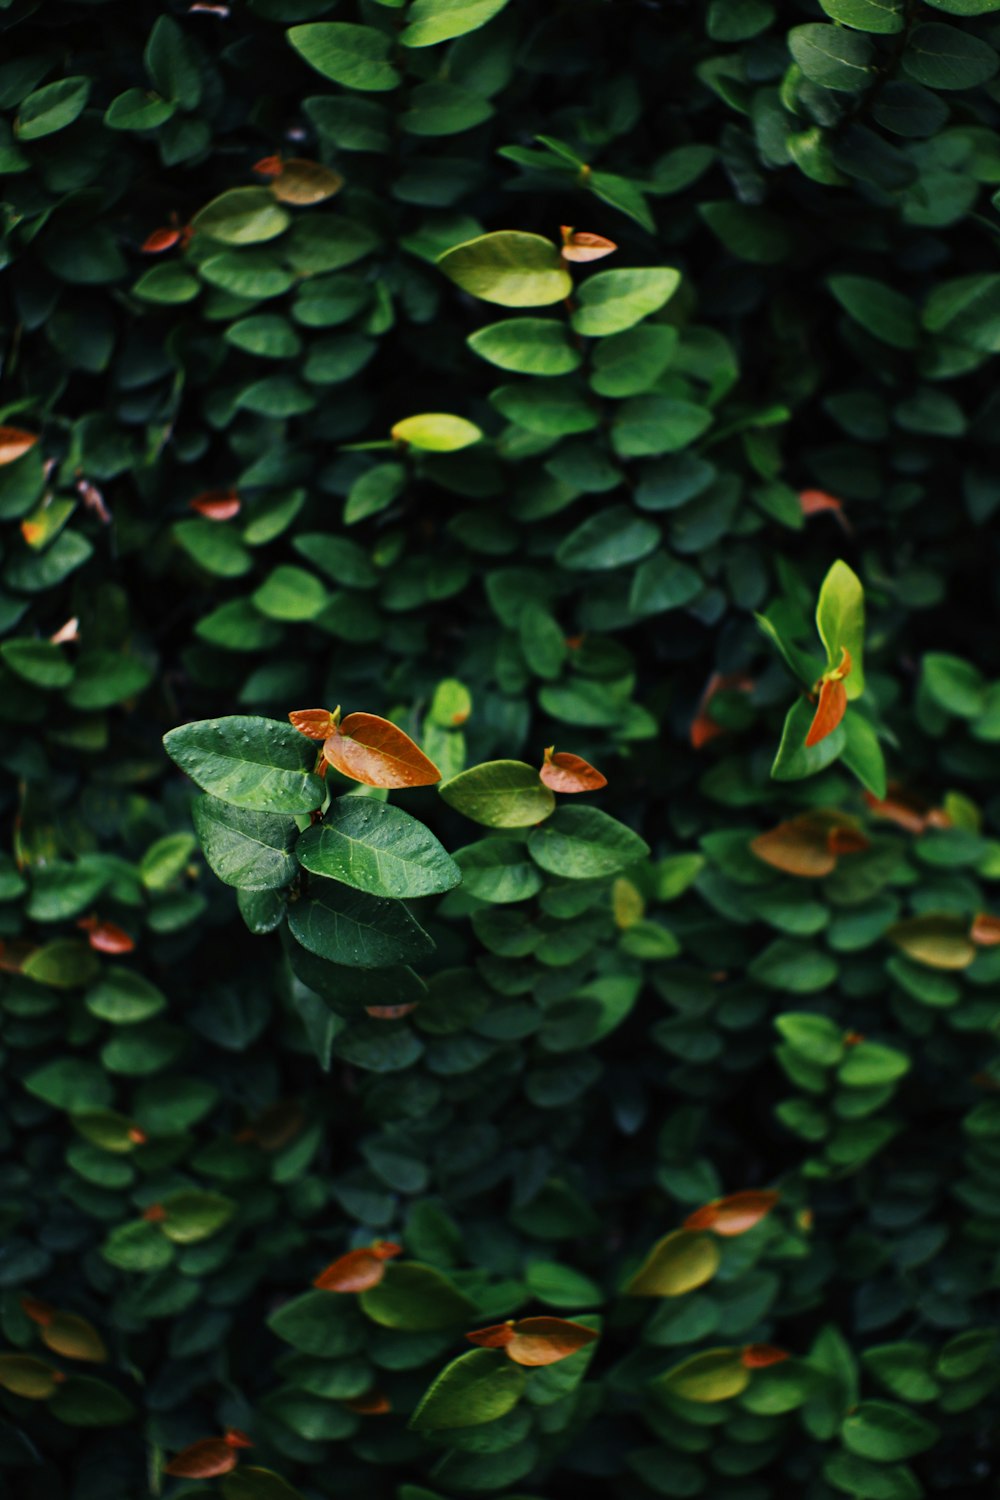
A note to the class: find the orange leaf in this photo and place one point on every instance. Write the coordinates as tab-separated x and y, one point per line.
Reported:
799	847
160	240
375	1404
563	772
314	723
496	1336
234	1438
759	1356
390	1012
846	840
735	1214
985	930
579	245
535	1341
154	1214
14	442
906	810
203	1460
269	166
373	751
217	505
106	937
358	1269
39	1312
304	182
813	502
830	710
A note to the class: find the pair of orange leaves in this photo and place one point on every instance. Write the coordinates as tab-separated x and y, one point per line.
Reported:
371	750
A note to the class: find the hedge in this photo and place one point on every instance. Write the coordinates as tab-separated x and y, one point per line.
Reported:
499	924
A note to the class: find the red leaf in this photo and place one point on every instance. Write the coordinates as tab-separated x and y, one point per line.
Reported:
374	1404
390	1012
154	1214
579	245
759	1356
106	937
358	1269
535	1341
815	501
373	751
160	240
734	1214
203	1460
237	1439
217	505
985	930
830	710
314	723
14	442
563	772
268	166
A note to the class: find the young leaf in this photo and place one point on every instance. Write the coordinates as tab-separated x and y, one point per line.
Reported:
830	711
314	723
373	751
379	849
735	1214
217	505
14	443
535	1341
568	773
358	1269
106	937
840	620
436	432
581	246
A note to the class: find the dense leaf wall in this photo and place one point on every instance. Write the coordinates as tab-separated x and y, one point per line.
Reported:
230	272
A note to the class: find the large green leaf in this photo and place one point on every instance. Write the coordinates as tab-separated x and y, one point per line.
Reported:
251	850
253	763
379	849
354	929
500	794
612	301
416	1299
581	843
509	267
478	1387
356	56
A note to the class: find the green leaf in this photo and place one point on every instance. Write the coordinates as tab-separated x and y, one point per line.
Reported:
290	594
879	308
884	17
82	1401
355	56
254	763
498	870
379	849
840	620
251	1483
192	1215
51	108
871	1481
966	7
242	216
165	861
611	538
793	761
416	1298
172	64
583	843
433	21
832	57
476	1388
862	754
956	686
529	346
869	1064
816	1037
354	929
629	363
169	284
716	1375
124	997
137	109
509	267
677	1264
70	1083
500	794
945	57
794	967
647	426
39	662
882	1431
612	301
247	849
436	432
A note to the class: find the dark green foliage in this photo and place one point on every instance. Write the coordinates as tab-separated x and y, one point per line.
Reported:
310	400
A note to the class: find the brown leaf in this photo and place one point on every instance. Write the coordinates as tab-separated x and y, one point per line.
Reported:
217	505
106	937
358	1269
374	1404
14	443
203	1460
565	773
373	751
303	182
937	939
314	723
734	1214
759	1356
907	810
985	930
830	710
535	1341
799	847
579	245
